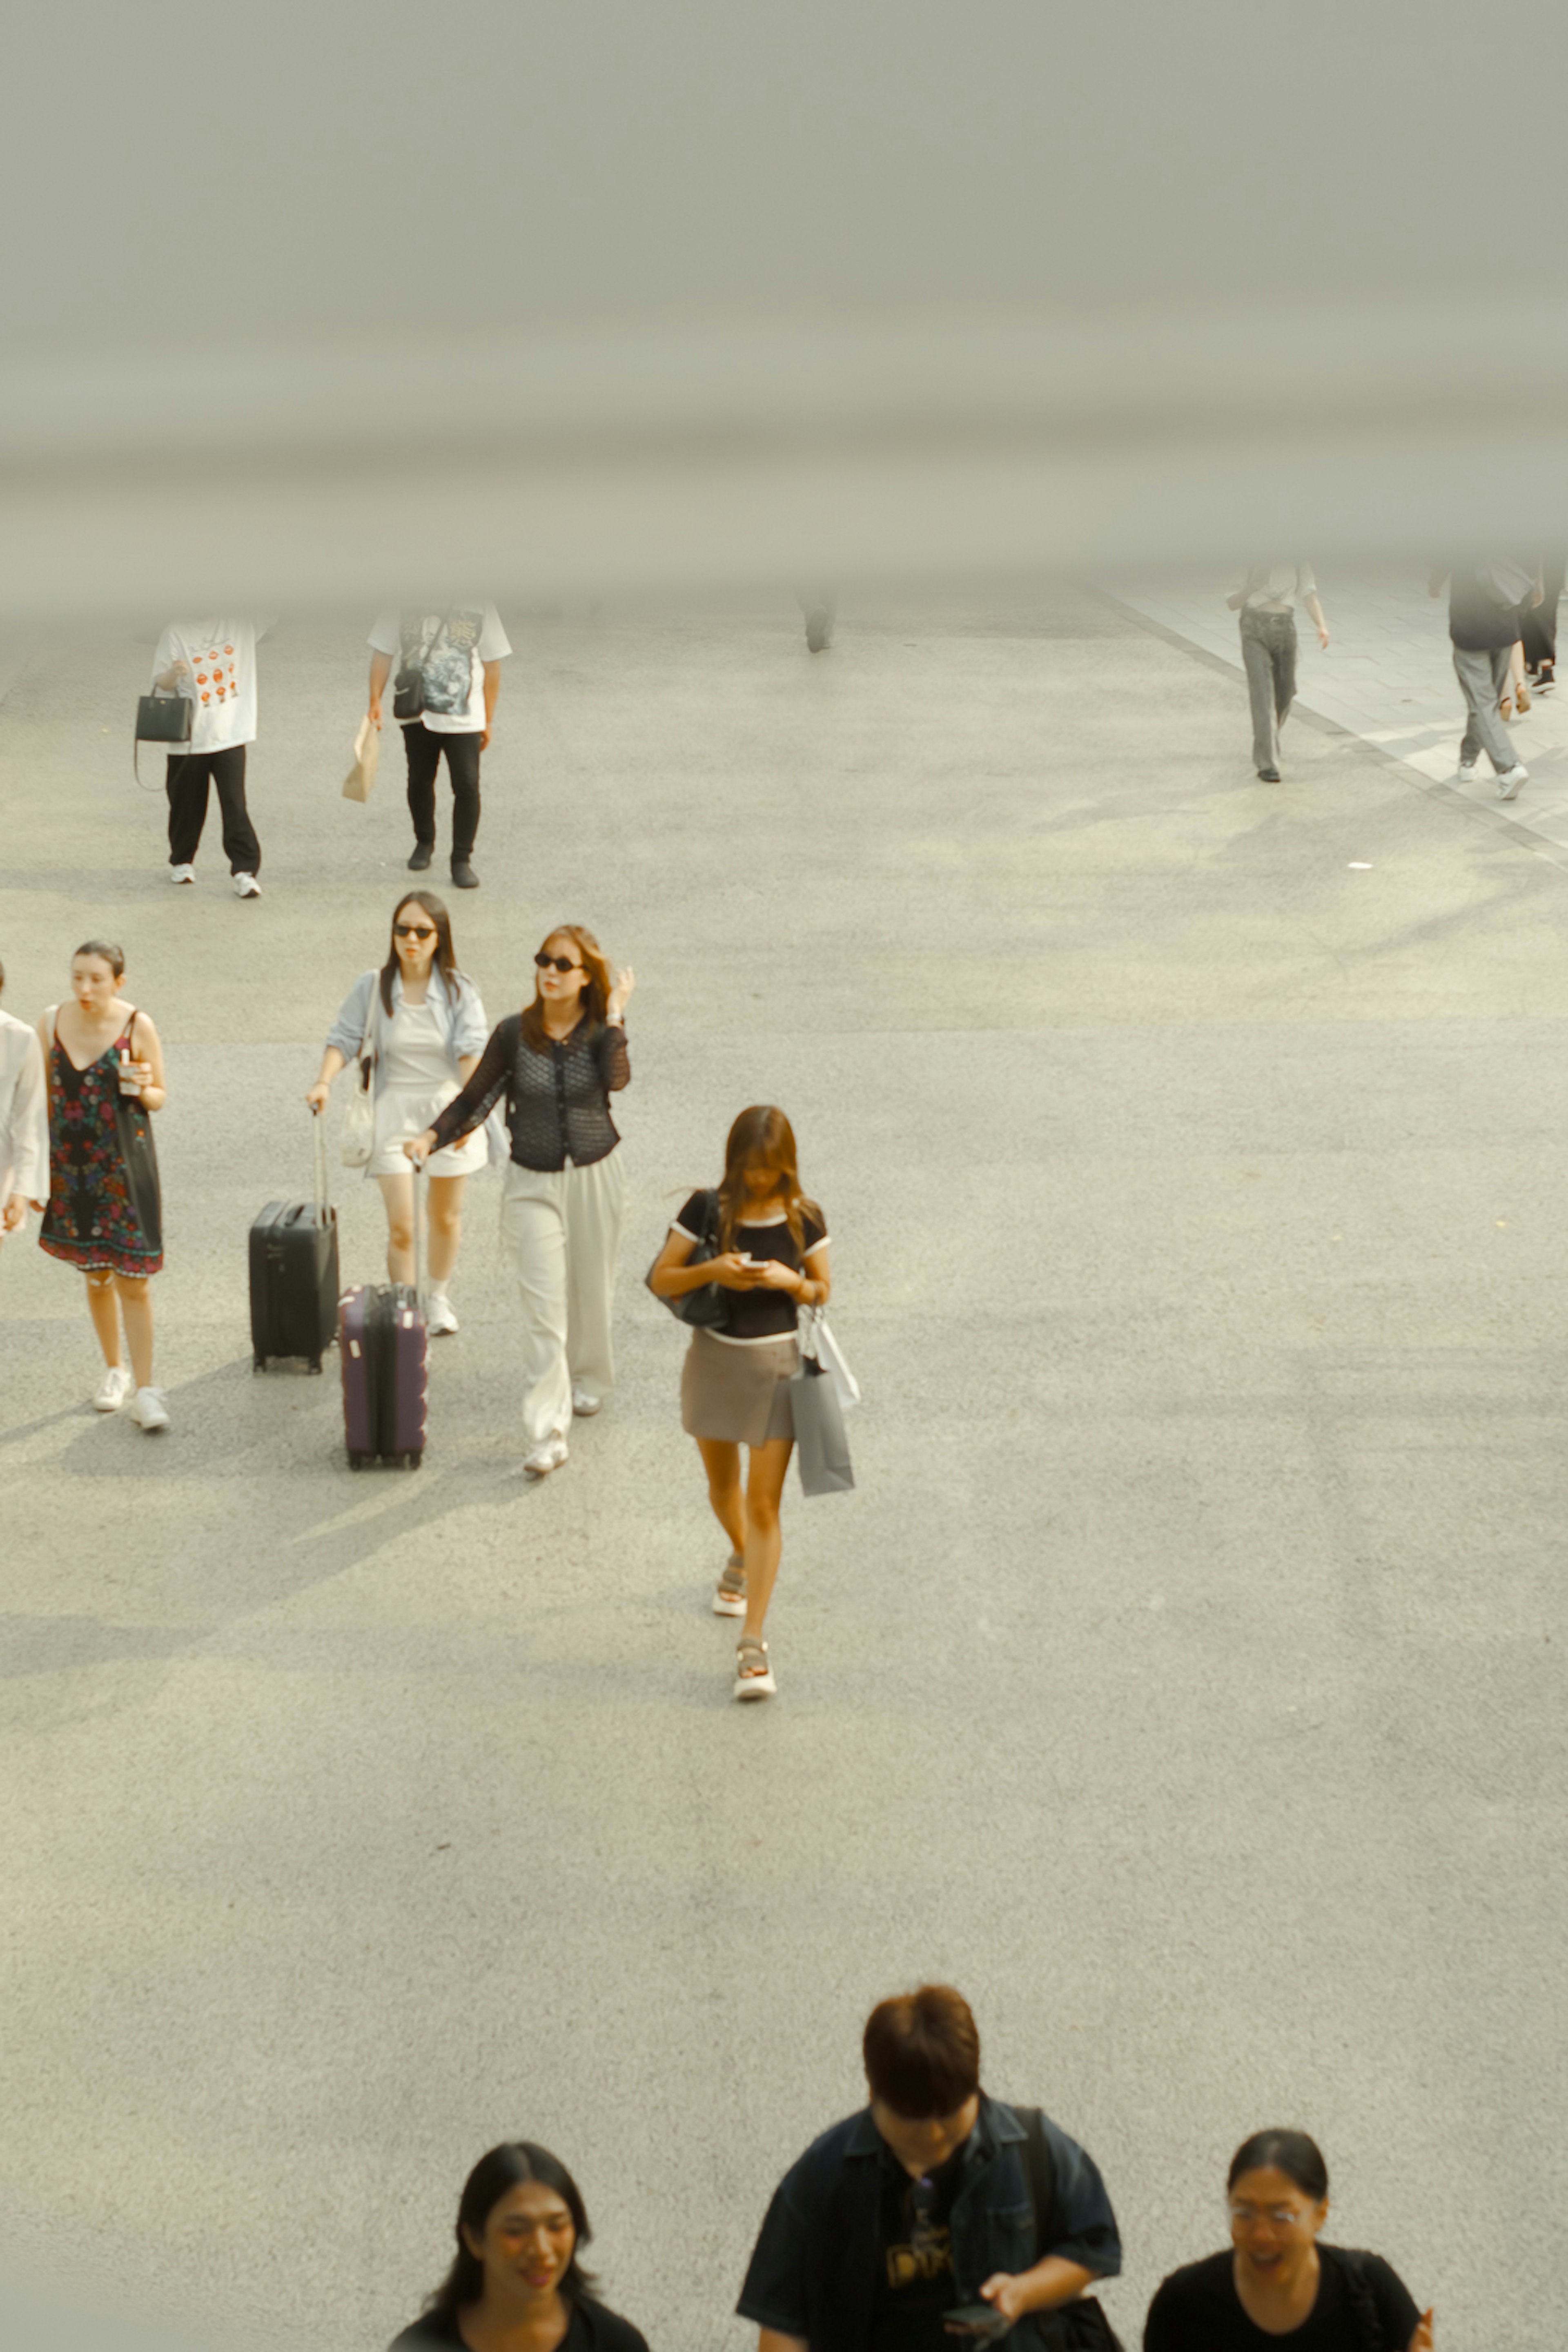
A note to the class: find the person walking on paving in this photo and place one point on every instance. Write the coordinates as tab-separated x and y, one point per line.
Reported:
421	1023
1266	601
518	2282
1278	2285
1539	629
768	1247
1485	602
24	1122
556	1065
105	1070
933	2214
443	699
212	663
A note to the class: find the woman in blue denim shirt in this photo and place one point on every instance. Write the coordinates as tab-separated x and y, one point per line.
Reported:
933	2199
426	1026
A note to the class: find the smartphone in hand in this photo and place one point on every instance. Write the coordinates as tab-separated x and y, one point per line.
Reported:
978	2319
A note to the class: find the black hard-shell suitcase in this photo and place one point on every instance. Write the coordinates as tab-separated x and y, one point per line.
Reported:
382	1343
294	1271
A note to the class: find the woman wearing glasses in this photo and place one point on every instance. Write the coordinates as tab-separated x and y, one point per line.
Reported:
556	1064
425	1027
1278	2286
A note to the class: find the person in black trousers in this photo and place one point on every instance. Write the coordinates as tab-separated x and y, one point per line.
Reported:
1538	629
212	663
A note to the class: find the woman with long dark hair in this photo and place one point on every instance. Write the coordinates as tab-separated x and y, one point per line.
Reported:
771	1259
556	1064
1280	2285
425	1023
105	1070
517	2285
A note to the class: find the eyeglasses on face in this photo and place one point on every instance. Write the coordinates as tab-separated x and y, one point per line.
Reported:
414	930
1284	2217
557	963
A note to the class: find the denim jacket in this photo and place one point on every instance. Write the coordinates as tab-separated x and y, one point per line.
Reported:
813	2273
462	1014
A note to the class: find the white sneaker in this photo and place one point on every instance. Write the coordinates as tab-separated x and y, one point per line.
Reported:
182	873
1508	783
547	1456
246	886
148	1409
438	1314
1465	772
112	1389
585	1403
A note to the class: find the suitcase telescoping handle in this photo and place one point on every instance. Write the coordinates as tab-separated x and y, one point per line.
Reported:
420	1180
319	1139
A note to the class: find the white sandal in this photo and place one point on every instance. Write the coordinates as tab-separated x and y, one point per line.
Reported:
754	1685
729	1596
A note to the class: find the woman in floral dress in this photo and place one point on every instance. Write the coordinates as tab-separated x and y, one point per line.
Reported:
104	1214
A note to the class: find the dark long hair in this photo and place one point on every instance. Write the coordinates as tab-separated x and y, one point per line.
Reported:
446	958
762	1133
504	2167
1290	2152
594	999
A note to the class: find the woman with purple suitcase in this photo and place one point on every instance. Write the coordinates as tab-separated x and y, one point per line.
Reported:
421	1023
556	1064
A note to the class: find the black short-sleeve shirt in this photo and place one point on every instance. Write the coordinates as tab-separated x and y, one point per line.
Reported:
592	2328
756	1314
1197	2309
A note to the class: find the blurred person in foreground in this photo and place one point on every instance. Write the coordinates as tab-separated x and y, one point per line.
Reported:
1278	2285
1485	602
516	2283
1265	600
1538	629
937	2215
24	1122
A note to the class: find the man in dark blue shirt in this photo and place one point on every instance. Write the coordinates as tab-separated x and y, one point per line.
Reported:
934	2197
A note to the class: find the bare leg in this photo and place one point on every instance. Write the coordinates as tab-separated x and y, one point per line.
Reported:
445	1198
764	1485
722	1463
104	1308
136	1304
397	1191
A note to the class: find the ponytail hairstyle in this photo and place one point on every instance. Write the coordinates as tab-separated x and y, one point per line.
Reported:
1289	2152
113	957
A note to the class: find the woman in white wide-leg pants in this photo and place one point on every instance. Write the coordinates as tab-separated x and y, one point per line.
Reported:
556	1064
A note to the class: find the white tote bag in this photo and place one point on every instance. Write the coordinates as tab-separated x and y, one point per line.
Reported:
358	1138
818	1342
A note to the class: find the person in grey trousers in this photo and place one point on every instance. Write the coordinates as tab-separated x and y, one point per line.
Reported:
1265	600
1485	602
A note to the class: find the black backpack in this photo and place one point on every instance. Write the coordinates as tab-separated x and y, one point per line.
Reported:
1080	2326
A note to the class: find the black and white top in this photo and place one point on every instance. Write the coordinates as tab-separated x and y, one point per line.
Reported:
557	1095
756	1316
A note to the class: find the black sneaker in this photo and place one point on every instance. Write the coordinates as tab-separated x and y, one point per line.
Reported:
423	852
463	874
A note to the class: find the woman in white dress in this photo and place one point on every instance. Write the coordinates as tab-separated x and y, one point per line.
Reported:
424	1025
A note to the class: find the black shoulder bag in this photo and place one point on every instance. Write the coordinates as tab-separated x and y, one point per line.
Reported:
1080	2326
408	685
133	1131
706	1309
160	719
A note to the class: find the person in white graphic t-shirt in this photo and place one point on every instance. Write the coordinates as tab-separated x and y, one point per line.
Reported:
212	663
443	699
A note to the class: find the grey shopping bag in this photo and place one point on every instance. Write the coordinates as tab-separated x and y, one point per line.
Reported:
821	1448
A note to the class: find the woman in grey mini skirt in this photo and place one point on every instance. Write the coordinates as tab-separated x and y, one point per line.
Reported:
770	1259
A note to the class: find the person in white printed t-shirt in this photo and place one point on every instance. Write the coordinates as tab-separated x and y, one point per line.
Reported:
212	663
451	662
24	1123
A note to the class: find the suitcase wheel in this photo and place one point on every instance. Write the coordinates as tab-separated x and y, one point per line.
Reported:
414	1459
356	1461
315	1363
259	1365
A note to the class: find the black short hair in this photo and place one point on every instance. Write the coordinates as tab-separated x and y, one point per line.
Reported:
1290	2152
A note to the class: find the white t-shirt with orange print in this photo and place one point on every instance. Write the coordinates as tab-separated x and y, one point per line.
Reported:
220	659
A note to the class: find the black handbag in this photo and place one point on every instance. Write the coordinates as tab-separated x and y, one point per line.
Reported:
408	685
706	1309
1081	2325
160	719
134	1130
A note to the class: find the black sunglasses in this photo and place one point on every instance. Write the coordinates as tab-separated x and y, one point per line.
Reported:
559	963
414	930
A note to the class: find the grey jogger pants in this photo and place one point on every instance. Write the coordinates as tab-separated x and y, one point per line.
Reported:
1269	656
1482	673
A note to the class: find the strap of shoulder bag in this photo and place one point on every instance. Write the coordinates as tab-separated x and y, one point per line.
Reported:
1042	2171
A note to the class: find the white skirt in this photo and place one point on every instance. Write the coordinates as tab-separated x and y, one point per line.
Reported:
404	1112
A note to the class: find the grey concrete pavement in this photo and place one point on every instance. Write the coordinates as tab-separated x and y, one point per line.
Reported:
1182	1679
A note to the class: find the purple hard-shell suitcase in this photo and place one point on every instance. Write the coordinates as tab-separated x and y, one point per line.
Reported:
294	1273
382	1341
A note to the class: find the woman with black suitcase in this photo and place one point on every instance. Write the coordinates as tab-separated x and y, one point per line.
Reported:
769	1247
105	1070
